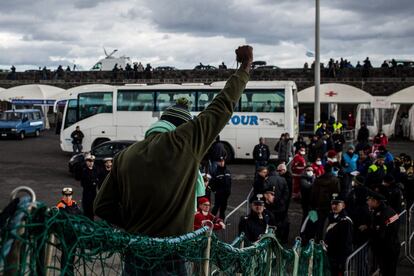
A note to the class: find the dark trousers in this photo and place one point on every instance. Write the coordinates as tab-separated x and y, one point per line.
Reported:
87	204
220	204
388	261
346	184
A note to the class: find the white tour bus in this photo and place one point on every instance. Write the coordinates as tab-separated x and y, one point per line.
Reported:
266	109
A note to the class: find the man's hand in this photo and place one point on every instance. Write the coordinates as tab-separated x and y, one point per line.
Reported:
244	55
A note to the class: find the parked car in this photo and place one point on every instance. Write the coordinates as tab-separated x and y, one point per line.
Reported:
401	63
101	151
266	68
258	63
21	122
165	68
205	67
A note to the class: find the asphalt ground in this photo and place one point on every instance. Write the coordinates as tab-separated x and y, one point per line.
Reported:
40	164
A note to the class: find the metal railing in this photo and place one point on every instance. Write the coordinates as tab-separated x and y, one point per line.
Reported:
232	224
410	235
362	262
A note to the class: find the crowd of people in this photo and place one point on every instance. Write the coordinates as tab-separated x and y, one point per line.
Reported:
357	190
349	194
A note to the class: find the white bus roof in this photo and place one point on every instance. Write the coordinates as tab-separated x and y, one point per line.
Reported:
259	84
73	92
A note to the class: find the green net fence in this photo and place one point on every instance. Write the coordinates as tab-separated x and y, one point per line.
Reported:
36	240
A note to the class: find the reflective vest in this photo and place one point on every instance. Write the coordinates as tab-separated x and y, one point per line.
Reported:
318	126
373	168
337	125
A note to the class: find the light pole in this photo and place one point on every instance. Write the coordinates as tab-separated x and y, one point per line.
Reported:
317	68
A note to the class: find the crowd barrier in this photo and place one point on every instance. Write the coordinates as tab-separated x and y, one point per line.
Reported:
37	240
361	262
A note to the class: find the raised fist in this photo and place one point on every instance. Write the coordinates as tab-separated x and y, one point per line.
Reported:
244	54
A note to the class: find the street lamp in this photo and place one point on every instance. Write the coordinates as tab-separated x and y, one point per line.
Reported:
317	106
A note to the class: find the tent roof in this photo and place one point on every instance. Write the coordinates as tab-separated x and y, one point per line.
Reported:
31	91
405	96
335	93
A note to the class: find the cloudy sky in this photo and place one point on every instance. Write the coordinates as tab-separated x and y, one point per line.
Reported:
183	33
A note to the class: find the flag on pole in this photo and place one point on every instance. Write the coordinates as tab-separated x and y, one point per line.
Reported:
310	53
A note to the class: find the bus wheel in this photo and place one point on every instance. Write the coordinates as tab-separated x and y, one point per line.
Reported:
229	151
98	142
21	135
37	133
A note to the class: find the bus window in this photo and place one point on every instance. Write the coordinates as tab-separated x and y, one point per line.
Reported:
260	101
94	103
130	100
204	99
71	112
166	99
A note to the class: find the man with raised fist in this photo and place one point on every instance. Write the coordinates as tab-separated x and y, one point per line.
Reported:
157	177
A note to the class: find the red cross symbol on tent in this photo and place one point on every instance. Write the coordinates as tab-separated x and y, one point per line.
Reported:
331	93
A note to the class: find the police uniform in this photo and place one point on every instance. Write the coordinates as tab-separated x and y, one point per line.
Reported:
253	226
393	193
89	182
384	236
338	238
221	185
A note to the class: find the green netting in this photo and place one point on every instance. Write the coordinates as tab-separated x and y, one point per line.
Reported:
41	241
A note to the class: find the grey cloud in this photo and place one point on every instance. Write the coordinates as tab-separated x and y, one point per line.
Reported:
79	28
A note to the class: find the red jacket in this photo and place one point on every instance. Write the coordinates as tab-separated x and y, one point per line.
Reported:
199	217
298	164
380	141
318	170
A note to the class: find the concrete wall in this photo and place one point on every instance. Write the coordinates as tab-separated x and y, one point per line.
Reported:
376	81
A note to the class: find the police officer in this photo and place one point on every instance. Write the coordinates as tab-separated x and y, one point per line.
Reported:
261	153
384	234
105	170
357	209
278	185
67	204
338	235
272	205
221	185
89	181
258	221
393	193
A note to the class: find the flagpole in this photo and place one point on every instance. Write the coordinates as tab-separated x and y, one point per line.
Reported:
317	106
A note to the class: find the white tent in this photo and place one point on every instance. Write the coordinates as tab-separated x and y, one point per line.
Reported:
405	96
32	94
336	93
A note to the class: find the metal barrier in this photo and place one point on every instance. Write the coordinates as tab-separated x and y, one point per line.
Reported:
361	261
403	232
358	263
349	135
410	235
232	224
